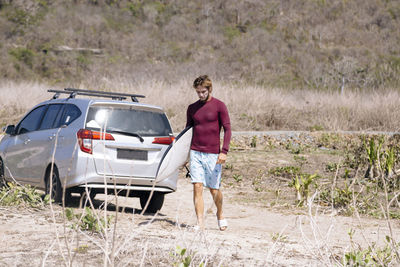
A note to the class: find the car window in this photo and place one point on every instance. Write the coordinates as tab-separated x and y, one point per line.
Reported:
50	116
31	121
71	113
143	122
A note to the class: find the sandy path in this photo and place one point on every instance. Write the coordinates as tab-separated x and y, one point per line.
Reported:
251	236
28	237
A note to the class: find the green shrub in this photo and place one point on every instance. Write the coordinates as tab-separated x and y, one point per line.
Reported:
136	9
231	32
339	198
302	184
183	257
18	16
287	171
24	55
17	195
331	167
237	177
88	221
253	142
372	256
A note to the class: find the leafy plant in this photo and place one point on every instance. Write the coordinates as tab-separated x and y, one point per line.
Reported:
346	173
373	150
371	256
381	163
88	221
24	55
19	16
316	127
287	171
388	162
331	167
301	184
389	159
17	195
300	159
231	33
228	166
253	142
339	198
277	237
294	148
329	140
258	180
183	257
237	177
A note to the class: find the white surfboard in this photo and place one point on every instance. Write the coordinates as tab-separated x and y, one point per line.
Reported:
176	156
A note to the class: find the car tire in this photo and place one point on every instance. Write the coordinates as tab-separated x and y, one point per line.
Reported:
2	180
57	190
92	195
155	204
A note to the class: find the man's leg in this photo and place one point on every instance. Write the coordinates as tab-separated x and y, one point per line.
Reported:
199	203
217	196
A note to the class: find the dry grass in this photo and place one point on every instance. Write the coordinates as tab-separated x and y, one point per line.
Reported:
251	108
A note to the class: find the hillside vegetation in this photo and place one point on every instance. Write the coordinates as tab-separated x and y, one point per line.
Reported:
286	44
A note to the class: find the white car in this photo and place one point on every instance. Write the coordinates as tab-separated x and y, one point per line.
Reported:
101	144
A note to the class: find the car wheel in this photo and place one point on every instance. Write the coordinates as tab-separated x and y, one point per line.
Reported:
56	188
2	180
155	204
92	195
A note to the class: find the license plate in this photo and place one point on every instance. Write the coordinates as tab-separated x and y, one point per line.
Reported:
131	154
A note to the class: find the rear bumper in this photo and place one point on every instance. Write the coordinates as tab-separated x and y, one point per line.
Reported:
133	188
83	174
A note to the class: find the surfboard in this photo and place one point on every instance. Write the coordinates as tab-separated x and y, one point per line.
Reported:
176	155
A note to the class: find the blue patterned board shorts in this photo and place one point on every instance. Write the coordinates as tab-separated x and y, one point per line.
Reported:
204	169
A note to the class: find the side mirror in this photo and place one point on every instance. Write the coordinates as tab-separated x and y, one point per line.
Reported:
10	129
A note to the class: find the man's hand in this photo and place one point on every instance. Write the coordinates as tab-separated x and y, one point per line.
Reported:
221	158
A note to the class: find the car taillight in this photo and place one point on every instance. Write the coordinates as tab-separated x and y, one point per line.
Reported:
102	136
163	140
85	138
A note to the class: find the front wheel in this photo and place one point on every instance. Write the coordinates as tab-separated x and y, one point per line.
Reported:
2	179
155	204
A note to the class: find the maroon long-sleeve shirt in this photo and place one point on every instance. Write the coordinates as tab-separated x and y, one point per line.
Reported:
207	119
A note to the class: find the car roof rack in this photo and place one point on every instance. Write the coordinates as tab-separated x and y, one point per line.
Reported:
115	96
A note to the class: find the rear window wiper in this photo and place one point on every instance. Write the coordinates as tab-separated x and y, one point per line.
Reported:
129	134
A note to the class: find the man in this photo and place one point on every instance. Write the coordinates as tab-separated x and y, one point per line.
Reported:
207	116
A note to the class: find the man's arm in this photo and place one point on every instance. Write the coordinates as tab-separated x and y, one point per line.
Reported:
189	119
226	124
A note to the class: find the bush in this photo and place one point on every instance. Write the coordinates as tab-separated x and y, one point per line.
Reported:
17	195
88	220
24	55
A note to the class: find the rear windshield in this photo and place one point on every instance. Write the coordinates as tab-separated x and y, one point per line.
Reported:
129	120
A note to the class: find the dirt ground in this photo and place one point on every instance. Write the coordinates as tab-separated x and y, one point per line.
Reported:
29	238
259	234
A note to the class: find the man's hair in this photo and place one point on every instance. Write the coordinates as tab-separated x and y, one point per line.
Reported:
204	81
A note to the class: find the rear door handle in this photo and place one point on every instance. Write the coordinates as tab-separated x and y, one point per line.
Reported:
27	141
